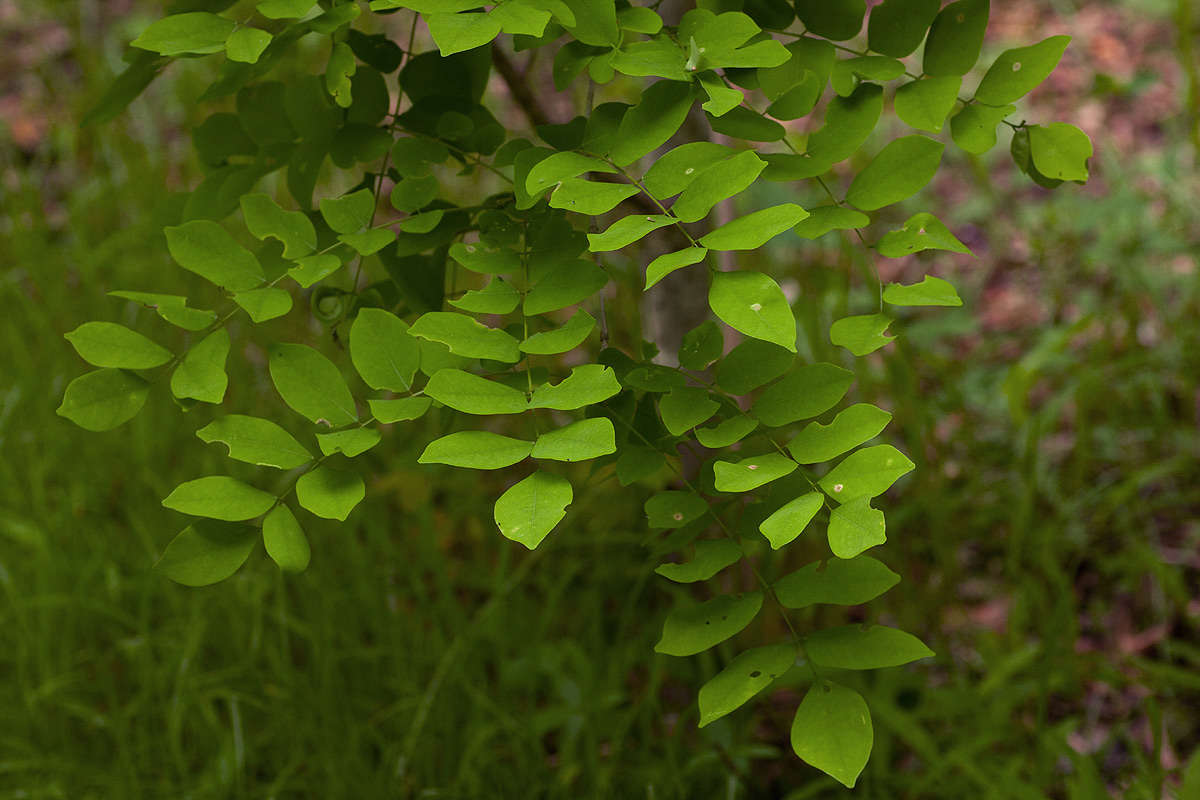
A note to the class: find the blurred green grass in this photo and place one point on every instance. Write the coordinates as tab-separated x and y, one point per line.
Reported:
1052	523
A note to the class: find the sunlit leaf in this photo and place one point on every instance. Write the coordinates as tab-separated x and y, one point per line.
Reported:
695	628
530	509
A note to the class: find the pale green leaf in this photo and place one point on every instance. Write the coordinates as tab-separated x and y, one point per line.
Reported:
256	441
476	450
311	385
400	409
520	19
330	493
172	308
674	509
219	497
285	9
832	731
859	423
207	249
676	169
579	441
351	442
560	340
590	197
695	628
956	37
1060	151
931	291
455	33
196	33
859	647
752	472
658	57
206	552
472	394
560	167
900	170
478	258
837	581
585	386
1017	72
753	304
745	676
103	399
974	127
791	519
926	103
265	219
726	433
711	556
657	116
466	336
807	392
311	269
370	241
824	219
284	540
246	44
922	231
530	509
106	344
866	473
201	375
861	335
686	407
720	181
626	231
498	297
855	527
570	283
383	352
755	229
264	304
348	213
848	72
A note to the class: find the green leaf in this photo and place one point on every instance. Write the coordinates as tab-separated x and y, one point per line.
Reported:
383	352
370	241
640	19
585	386
752	472
485	261
561	166
686	407
560	340
974	127
455	33
498	297
476	450
106	344
626	231
466	336
837	581
925	104
721	98
311	269
246	44
755	229
264	304
832	731
197	32
349	213
330	493
219	497
711	556
285	9
824	219
693	629
595	22
284	540
848	71
1060	151
896	27
654	378
862	334
866	473
399	409
1017	72
956	37
838	20
590	197
858	647
855	527
720	181
676	169
351	442
172	308
811	63
472	394
701	346
727	432
311	385
530	509
931	291
201	375
103	399
922	231
518	18
207	249
206	552
859	423
900	170
674	509
753	304
570	283
655	119
266	220
745	676
579	441
848	123
753	363
809	391
789	521
256	441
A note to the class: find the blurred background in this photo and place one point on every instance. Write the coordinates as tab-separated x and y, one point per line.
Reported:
1049	540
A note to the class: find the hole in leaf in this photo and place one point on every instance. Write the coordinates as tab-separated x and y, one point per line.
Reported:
752	466
755	674
677	516
837	487
1016	66
756	306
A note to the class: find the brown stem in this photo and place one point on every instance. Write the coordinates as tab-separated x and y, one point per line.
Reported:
519	88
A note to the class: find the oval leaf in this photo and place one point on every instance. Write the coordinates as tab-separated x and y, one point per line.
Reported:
530	509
